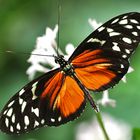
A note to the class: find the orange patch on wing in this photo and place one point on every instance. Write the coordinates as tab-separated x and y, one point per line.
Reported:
89	58
96	76
86	56
52	87
90	62
70	97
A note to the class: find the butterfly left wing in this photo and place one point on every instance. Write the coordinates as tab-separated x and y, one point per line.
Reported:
21	113
101	60
51	99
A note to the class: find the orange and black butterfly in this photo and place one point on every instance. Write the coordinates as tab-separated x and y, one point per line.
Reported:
60	95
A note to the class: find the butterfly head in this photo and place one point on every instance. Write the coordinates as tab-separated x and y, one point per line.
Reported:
61	61
65	65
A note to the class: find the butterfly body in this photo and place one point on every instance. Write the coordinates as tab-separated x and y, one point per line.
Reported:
59	96
65	66
68	69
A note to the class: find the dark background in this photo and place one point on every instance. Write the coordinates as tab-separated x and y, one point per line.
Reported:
22	21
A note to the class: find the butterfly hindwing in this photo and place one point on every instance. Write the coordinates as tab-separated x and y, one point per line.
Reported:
66	105
101	60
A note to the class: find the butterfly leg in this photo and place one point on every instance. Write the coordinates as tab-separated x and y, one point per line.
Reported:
87	93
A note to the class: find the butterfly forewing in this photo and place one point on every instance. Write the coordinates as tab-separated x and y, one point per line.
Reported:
121	34
50	100
22	112
101	60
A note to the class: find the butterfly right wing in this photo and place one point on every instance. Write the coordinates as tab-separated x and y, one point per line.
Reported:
102	59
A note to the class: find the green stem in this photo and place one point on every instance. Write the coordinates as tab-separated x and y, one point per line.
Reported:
100	121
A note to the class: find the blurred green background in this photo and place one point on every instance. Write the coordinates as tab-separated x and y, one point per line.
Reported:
21	22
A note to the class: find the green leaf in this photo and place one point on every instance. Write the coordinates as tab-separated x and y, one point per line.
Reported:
136	134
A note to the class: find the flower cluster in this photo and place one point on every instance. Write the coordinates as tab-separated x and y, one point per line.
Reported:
116	129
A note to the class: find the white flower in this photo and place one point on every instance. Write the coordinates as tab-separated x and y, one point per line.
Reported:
94	24
130	69
46	45
106	101
116	129
69	50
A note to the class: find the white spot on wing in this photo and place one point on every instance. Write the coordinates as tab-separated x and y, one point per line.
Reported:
59	118
21	92
109	30
13	118
125	17
96	40
115	47
133	21
135	33
23	106
36	124
26	120
93	40
10	111
124	56
52	120
122	66
138	27
114	21
33	90
114	33
103	42
128	26
36	111
127	51
11	129
101	28
7	122
127	40
10	103
18	126
5	112
42	121
124	21
20	101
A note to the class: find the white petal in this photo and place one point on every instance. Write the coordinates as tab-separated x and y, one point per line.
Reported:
124	79
130	69
69	49
45	45
106	101
94	24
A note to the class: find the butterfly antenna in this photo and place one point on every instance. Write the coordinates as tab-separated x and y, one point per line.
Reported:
11	52
58	35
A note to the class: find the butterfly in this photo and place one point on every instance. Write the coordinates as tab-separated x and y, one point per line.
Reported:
60	95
